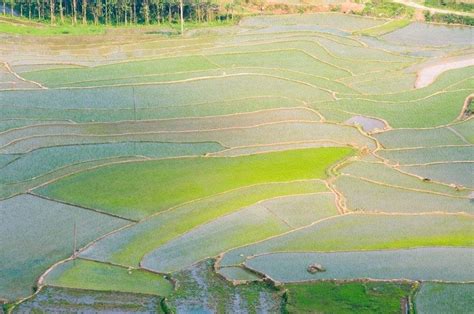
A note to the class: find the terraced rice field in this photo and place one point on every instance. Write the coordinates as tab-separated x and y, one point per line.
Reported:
208	172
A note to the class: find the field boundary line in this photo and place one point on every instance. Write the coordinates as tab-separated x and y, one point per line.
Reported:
203	78
461	214
10	70
207	257
393	102
268	96
467	103
137	158
95	136
149	121
426	147
222	254
216	154
458	135
398	187
197	226
80	207
68	85
432	163
307	40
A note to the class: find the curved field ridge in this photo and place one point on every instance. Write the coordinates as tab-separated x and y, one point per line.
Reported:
352	232
136	190
362	195
89	275
46	160
429	72
128	246
257	222
445	264
36	233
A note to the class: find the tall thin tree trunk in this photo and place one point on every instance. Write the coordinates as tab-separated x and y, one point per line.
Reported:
11	7
38	8
169	13
61	11
146	12
74	12
29	9
52	15
106	12
181	13
84	12
134	11
4	8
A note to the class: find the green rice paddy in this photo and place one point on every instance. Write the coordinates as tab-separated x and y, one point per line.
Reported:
145	172
136	190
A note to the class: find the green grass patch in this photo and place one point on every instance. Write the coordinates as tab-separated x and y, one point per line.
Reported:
352	297
140	189
90	275
21	26
451	5
201	290
384	28
386	8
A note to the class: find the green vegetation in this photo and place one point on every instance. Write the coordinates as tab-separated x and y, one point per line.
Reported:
334	297
385	28
202	290
449	18
89	275
18	26
46	160
159	67
444	298
56	299
374	232
385	8
249	225
374	197
223	143
136	190
451	4
130	245
421	264
36	233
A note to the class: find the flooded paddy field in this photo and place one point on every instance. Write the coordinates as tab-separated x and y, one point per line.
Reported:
207	173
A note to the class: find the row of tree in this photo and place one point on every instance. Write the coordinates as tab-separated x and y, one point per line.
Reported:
118	11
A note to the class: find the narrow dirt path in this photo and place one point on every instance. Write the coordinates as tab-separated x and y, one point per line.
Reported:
432	10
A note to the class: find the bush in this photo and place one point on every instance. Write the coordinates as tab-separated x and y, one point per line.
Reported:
383	8
448	18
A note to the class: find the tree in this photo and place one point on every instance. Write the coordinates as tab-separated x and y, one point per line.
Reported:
84	12
74	12
61	11
146	12
181	17
51	10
